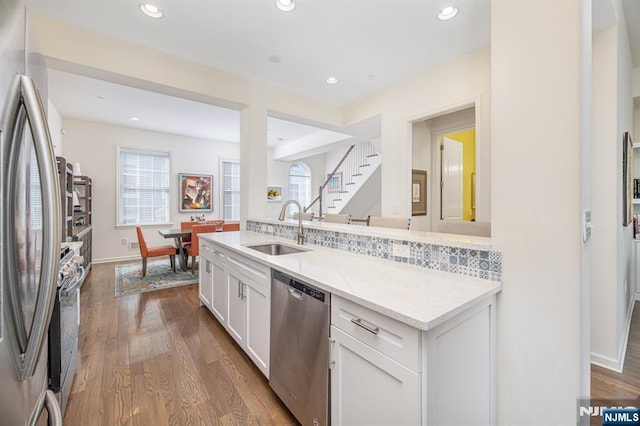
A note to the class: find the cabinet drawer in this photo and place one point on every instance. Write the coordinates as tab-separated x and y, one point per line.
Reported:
251	269
205	250
217	253
395	339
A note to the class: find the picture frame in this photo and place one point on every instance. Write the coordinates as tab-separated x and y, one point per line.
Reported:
627	179
418	192
195	192
335	182
274	193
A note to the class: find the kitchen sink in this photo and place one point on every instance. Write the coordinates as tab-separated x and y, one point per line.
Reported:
276	249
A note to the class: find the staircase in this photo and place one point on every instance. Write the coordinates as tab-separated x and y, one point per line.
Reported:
351	172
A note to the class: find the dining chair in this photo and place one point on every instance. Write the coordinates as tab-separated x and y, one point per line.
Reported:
389	222
337	218
186	226
147	252
230	227
193	250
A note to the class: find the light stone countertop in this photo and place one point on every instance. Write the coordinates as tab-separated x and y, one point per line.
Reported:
419	297
465	241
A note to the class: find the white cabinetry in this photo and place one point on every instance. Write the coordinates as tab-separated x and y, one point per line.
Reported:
219	295
386	372
370	388
205	274
249	308
238	291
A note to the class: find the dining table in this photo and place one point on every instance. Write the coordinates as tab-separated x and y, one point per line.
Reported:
178	234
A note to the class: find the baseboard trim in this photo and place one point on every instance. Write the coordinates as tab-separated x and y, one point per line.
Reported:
616	365
116	259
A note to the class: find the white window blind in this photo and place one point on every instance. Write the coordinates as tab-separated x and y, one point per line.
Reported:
231	190
299	185
144	187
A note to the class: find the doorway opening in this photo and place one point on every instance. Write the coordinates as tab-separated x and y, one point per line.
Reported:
445	146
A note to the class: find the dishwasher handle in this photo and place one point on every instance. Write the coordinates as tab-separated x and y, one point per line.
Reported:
299	287
295	293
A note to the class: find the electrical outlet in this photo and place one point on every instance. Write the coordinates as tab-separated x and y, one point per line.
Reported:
400	250
133	246
125	241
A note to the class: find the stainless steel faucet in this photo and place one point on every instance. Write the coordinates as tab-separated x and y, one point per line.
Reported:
283	212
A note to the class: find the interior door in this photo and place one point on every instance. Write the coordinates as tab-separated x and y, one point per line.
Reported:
451	179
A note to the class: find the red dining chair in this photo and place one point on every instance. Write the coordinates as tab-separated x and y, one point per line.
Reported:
194	249
186	226
230	227
147	252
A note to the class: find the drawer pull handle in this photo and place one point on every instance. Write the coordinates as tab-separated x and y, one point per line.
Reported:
359	323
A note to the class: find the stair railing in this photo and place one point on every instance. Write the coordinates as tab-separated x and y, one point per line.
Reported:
337	182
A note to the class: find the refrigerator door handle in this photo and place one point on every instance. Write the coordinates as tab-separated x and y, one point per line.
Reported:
49	401
22	100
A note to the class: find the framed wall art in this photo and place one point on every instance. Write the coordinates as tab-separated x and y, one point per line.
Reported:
195	192
335	182
274	193
418	192
627	179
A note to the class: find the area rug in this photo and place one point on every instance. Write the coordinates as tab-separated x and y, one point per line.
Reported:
129	279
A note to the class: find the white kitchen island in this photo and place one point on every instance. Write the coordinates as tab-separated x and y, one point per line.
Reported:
431	359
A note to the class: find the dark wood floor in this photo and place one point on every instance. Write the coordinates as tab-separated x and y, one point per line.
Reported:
607	384
158	358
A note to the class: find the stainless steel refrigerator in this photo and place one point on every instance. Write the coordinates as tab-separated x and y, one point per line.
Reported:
30	230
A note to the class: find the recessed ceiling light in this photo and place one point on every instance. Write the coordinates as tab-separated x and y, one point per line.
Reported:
100	97
150	10
371	77
286	5
331	80
447	13
134	118
275	59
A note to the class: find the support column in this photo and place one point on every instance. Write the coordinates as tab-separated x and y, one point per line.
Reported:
253	162
536	184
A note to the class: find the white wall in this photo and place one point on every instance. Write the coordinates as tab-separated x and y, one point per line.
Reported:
612	288
455	84
93	145
278	174
422	149
536	68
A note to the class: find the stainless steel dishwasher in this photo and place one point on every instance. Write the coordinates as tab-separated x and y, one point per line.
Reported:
299	372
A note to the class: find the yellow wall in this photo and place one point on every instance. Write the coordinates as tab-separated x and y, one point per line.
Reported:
468	140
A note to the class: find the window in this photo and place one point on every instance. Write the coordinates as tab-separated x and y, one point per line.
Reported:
143	187
230	190
299	185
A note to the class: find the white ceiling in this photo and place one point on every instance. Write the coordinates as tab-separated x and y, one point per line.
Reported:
368	44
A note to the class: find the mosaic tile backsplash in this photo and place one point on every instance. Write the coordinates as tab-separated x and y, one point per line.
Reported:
483	264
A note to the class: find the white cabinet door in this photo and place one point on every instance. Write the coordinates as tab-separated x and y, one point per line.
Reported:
258	300
370	388
205	281
236	307
219	293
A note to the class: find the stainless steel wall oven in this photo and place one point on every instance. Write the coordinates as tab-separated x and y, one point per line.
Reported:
63	330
